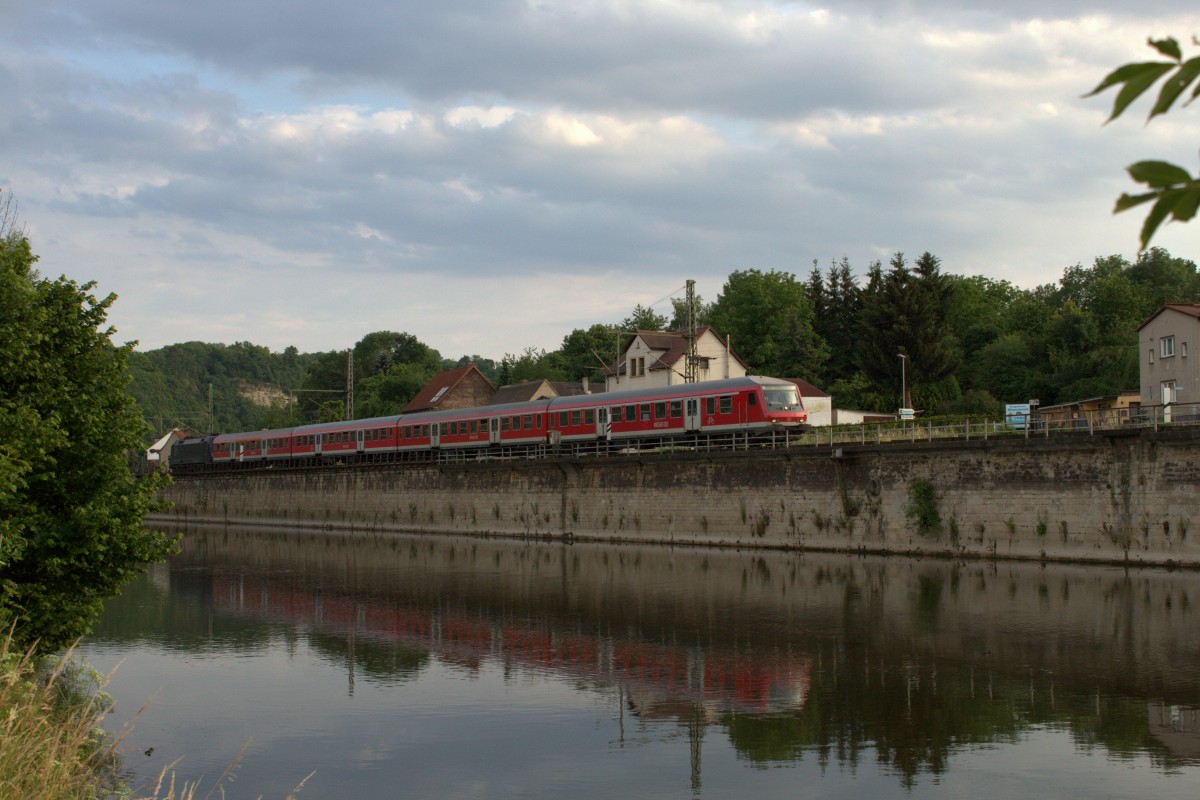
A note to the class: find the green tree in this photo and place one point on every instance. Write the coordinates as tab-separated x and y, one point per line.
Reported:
388	392
644	319
71	511
588	352
837	301
769	321
487	366
1175	193
323	392
532	364
679	313
904	312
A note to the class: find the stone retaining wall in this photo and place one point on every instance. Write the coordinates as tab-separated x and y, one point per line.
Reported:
1124	496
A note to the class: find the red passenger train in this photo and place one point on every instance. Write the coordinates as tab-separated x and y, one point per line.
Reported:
737	407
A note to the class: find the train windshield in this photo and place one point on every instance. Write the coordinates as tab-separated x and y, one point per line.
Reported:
782	398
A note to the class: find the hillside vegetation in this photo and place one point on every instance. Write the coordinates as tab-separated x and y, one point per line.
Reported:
971	344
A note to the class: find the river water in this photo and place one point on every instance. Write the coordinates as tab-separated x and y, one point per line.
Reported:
442	667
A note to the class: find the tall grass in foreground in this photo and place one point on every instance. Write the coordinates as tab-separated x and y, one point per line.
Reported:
52	745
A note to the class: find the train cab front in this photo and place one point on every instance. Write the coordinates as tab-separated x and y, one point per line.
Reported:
784	406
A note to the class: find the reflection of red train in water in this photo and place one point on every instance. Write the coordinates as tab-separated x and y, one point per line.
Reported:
728	681
737	409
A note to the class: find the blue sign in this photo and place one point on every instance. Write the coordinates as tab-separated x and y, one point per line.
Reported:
1016	415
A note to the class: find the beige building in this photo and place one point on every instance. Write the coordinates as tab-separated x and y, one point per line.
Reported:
1169	375
1108	411
653	359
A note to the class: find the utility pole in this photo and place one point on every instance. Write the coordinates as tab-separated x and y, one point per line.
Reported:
212	427
691	360
350	384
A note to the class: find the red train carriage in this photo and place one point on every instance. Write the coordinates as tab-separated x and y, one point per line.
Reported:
737	404
747	405
508	424
346	439
252	447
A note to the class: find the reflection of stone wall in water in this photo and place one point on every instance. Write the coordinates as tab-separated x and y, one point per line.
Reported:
789	653
1100	625
1108	497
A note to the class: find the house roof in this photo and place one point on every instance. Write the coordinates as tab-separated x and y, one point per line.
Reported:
439	386
1123	393
529	390
674	343
1191	309
806	388
518	392
568	388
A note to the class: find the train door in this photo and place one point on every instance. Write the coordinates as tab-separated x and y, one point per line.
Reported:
691	414
317	438
359	440
603	425
435	437
493	430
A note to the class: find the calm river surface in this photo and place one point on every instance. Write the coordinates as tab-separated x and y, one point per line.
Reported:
438	667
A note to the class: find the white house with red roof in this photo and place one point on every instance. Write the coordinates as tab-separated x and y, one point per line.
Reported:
652	359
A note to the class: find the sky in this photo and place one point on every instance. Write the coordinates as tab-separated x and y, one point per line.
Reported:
490	175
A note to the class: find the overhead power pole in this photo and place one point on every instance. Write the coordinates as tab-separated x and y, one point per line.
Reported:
350	384
691	360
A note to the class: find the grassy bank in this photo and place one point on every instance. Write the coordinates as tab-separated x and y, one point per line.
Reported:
51	742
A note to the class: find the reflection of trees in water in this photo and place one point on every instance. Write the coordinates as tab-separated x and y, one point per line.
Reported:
383	662
910	661
913	717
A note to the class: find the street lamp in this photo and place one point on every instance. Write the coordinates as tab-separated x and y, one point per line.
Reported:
903	382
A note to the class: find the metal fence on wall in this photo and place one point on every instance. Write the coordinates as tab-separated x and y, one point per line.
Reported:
1085	422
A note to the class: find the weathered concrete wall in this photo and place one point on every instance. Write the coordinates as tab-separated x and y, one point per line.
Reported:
1125	496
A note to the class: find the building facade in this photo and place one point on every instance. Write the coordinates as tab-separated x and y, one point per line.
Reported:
465	387
653	359
1168	370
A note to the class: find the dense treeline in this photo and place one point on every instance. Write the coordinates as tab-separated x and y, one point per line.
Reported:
970	344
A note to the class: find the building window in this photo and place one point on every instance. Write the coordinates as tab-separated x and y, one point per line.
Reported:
1150	353
1183	349
1166	346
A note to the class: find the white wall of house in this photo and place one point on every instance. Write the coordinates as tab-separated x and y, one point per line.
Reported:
820	410
641	361
721	364
851	416
1169	371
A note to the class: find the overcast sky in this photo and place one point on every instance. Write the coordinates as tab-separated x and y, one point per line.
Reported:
489	175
